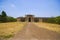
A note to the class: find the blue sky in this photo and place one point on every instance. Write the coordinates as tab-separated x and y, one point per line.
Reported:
40	8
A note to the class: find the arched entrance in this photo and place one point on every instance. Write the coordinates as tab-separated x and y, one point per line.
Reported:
29	20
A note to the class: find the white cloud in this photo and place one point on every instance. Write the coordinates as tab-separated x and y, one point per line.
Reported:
13	5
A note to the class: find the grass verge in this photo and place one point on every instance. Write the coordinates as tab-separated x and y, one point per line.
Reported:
49	26
8	30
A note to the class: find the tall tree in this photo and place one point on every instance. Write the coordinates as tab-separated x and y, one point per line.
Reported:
4	16
0	18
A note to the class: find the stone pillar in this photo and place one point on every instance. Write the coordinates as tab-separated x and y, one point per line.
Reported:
26	19
32	19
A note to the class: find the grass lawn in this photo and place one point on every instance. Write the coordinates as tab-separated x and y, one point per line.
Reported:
7	30
49	26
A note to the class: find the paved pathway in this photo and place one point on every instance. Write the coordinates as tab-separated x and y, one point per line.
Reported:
32	32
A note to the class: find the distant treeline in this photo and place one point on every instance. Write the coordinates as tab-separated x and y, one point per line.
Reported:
54	20
5	18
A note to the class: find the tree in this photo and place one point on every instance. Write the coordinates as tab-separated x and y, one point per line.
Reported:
54	20
11	19
0	18
57	19
3	16
51	20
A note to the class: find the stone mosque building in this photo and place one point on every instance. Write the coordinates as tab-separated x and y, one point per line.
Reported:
31	18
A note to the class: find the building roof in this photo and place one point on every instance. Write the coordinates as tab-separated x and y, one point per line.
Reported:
29	15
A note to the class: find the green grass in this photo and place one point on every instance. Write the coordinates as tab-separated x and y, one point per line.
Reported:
8	30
